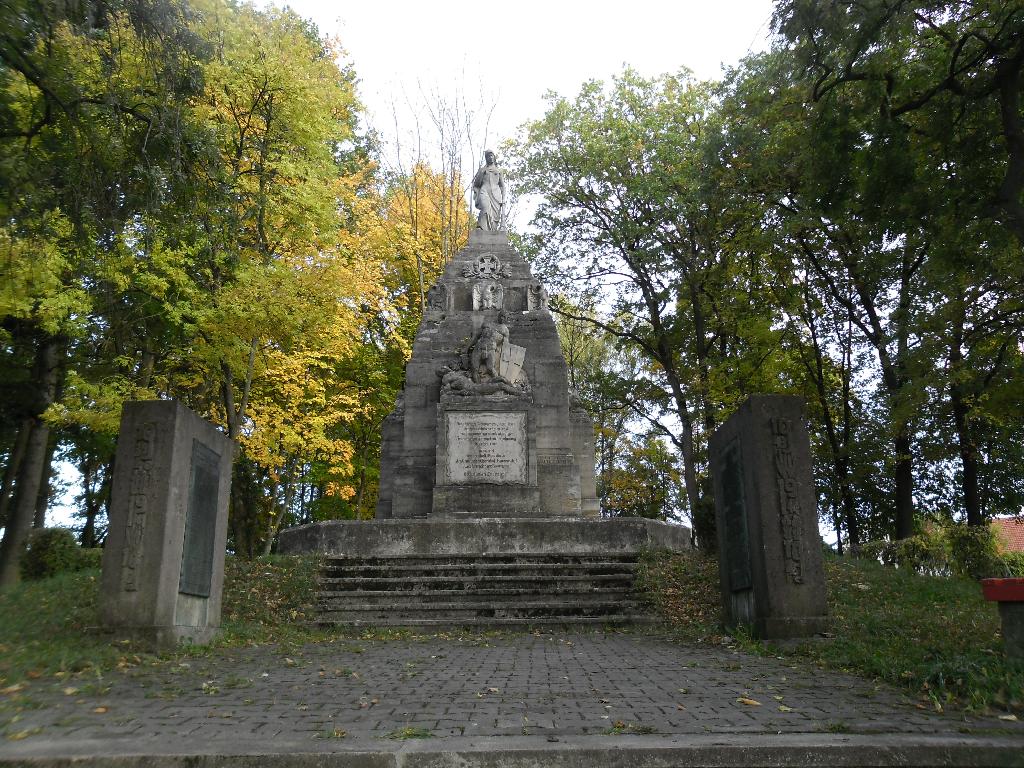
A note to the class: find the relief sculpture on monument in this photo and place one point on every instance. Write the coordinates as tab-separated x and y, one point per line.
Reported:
495	365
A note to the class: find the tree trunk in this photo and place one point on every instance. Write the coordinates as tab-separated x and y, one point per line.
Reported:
904	484
12	469
45	485
20	519
960	407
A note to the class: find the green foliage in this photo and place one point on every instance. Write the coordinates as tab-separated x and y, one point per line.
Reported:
645	482
635	210
684	588
50	551
934	635
268	598
973	550
924	553
410	732
49	635
960	550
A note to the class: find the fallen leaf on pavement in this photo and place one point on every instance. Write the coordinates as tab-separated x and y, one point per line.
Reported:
784	708
101	710
748	701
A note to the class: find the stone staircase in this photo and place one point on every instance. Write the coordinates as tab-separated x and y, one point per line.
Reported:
489	590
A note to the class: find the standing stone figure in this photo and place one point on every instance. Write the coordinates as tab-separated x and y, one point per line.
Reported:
486	351
489	194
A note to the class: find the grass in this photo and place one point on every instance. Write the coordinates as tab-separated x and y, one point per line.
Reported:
620	728
49	629
410	732
935	636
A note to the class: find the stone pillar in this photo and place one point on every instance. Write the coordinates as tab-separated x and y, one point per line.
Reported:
583	448
770	559
163	563
392	431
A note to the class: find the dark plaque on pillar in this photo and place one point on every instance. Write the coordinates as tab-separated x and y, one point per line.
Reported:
734	529
200	523
772	576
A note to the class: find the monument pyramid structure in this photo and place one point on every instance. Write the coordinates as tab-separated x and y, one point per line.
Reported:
486	426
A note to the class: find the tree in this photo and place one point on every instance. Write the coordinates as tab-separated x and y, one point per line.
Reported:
867	134
90	141
646	483
633	208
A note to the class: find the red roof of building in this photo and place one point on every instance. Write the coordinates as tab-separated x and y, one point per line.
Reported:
1011	531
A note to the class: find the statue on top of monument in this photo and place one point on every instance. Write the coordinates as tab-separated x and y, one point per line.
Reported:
489	194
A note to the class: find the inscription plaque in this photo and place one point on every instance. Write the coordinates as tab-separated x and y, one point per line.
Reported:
486	447
737	540
200	522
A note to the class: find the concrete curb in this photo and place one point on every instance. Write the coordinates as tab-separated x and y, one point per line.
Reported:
719	751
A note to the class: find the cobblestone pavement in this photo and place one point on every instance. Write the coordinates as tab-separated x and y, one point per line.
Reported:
558	684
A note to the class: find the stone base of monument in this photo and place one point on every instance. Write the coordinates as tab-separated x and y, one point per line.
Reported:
387	538
489	572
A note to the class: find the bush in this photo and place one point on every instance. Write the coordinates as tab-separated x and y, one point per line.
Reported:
973	551
927	552
90	558
51	551
1012	564
949	549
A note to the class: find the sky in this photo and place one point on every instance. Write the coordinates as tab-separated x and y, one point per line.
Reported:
507	55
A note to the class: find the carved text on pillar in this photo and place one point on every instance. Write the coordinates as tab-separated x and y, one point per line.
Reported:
138	505
790	515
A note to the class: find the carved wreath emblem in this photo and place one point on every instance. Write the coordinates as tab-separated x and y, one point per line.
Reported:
488	265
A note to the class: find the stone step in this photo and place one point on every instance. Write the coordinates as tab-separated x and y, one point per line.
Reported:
428	583
512	589
509	558
402	601
509	590
381	571
373	614
638	619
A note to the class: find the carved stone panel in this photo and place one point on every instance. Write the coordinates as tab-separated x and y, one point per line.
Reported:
163	561
536	297
437	298
770	562
486	447
486	265
488	294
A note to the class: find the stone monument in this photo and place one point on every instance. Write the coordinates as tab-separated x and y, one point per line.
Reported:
487	451
163	563
486	427
770	559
